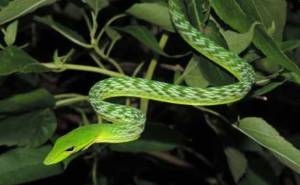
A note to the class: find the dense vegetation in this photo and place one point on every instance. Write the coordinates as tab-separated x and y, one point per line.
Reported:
53	51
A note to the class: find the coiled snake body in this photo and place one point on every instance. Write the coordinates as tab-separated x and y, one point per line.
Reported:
128	122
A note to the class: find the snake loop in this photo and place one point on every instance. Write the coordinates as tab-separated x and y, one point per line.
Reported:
128	122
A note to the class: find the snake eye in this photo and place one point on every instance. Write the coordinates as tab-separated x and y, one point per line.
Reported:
70	149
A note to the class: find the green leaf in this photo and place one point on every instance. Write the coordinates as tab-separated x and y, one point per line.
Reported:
292	77
143	182
264	134
238	42
232	14
156	13
193	74
97	5
112	34
60	60
198	12
33	100
31	79
156	137
212	32
267	66
17	8
267	88
4	3
31	129
26	164
10	33
143	35
237	163
200	72
154	1
63	30
15	60
290	45
271	13
252	178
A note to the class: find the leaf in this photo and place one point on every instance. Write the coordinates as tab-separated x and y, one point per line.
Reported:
156	13
238	42
97	5
237	163
143	182
271	13
156	137
63	30
198	12
31	129
252	178
24	165
33	100
267	88
13	60
267	66
154	1
193	74
60	60
112	34
232	14
264	134
212	32
265	166
143	35
290	45
201	72
17	8
10	33
3	3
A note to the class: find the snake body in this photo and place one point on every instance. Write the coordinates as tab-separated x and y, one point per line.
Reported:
129	122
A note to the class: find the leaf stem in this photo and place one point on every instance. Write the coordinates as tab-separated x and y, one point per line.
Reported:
162	43
77	67
70	101
97	61
67	95
94	170
107	24
94	28
110	60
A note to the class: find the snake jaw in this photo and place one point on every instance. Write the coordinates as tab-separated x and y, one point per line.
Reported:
77	140
53	158
59	153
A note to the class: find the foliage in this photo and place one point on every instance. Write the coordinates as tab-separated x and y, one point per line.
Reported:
51	56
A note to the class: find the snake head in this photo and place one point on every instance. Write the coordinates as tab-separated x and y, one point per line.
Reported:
76	140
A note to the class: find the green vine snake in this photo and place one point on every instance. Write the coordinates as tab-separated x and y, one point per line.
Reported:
128	122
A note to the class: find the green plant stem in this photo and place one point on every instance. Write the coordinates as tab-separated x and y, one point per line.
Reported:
97	61
170	158
138	69
67	95
210	111
110	60
95	44
162	43
69	101
94	28
199	156
111	46
82	68
94	170
87	20
107	24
